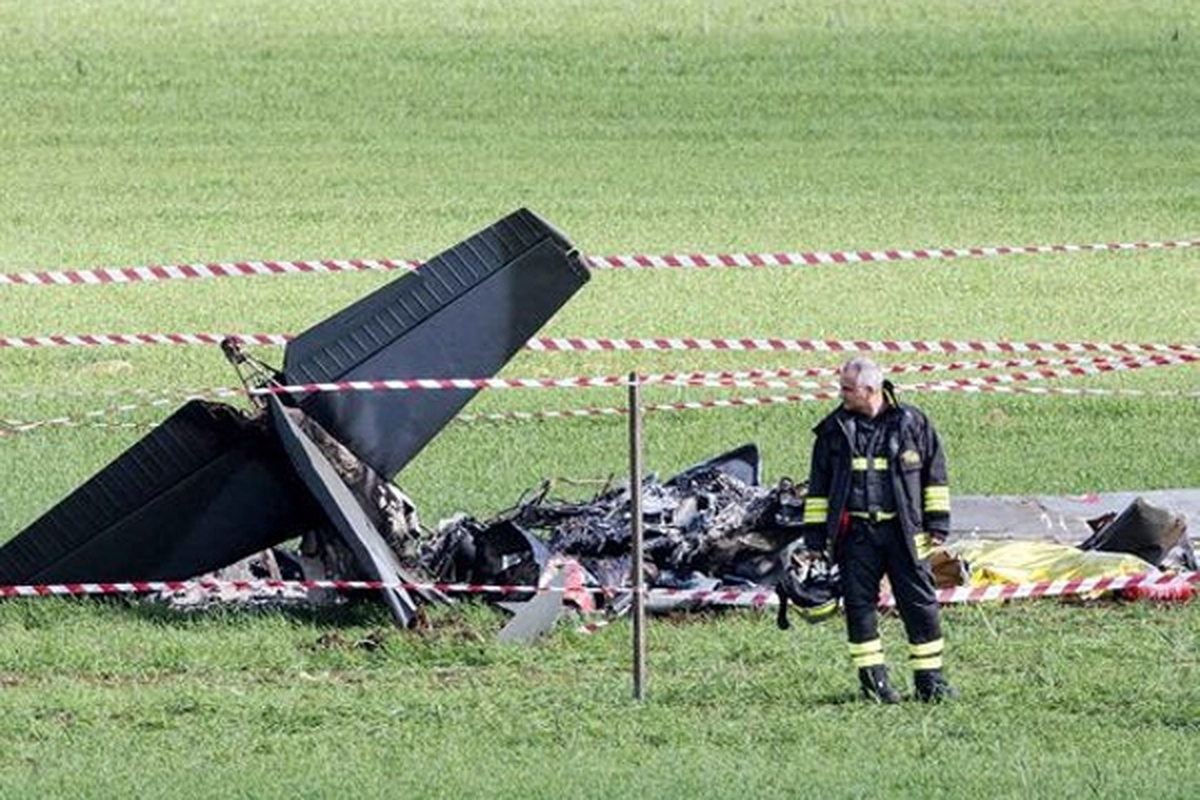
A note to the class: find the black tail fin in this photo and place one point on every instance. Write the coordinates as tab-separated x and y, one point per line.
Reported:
462	314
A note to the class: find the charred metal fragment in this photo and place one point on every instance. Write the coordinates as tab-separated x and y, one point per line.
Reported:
499	553
1156	535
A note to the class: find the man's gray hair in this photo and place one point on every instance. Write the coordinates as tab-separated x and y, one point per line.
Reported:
868	372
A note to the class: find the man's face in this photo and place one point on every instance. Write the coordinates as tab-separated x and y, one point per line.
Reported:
856	399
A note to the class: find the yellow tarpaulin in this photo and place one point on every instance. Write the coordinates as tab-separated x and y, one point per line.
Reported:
991	561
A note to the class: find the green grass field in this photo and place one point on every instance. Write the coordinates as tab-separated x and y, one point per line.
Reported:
138	132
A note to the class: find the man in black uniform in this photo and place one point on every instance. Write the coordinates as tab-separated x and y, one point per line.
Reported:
878	499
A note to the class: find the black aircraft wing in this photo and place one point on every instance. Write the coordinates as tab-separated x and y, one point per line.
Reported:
204	489
462	314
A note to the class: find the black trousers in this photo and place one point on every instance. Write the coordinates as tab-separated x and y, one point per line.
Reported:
867	552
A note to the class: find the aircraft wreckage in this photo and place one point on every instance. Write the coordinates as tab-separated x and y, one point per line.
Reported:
211	485
215	492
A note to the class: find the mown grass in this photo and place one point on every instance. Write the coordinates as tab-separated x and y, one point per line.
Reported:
282	704
140	132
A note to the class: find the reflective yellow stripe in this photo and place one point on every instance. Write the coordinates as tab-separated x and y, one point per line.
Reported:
927	655
937	498
866	654
924	545
927	648
816	509
932	662
860	464
873	646
878	516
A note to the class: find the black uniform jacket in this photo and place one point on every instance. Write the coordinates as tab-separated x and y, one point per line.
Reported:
916	464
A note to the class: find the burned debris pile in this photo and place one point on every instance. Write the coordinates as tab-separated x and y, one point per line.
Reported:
713	524
711	527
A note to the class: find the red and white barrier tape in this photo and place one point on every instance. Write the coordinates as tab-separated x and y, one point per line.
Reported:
16	426
86	419
576	344
956	595
118	339
1060	588
990	383
1096	368
156	397
777	400
148	587
117	275
591	345
756	598
676	261
164	395
12	427
230	269
699	380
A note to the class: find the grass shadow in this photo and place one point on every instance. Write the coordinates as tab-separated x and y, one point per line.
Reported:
354	611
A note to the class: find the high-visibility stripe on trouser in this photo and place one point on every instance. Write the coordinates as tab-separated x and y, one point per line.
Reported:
867	654
816	509
927	655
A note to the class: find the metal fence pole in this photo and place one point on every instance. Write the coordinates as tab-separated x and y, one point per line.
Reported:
635	521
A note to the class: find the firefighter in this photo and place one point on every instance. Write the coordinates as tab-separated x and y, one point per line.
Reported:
878	500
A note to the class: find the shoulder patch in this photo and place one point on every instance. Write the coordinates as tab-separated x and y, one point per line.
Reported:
910	458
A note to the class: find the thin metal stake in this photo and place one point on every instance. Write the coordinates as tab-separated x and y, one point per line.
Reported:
635	513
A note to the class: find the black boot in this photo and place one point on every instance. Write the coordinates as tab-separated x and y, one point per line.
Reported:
874	685
931	686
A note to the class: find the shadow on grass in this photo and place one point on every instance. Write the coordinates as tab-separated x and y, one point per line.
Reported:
354	612
458	621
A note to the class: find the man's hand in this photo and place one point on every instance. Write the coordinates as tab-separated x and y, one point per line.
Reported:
927	542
